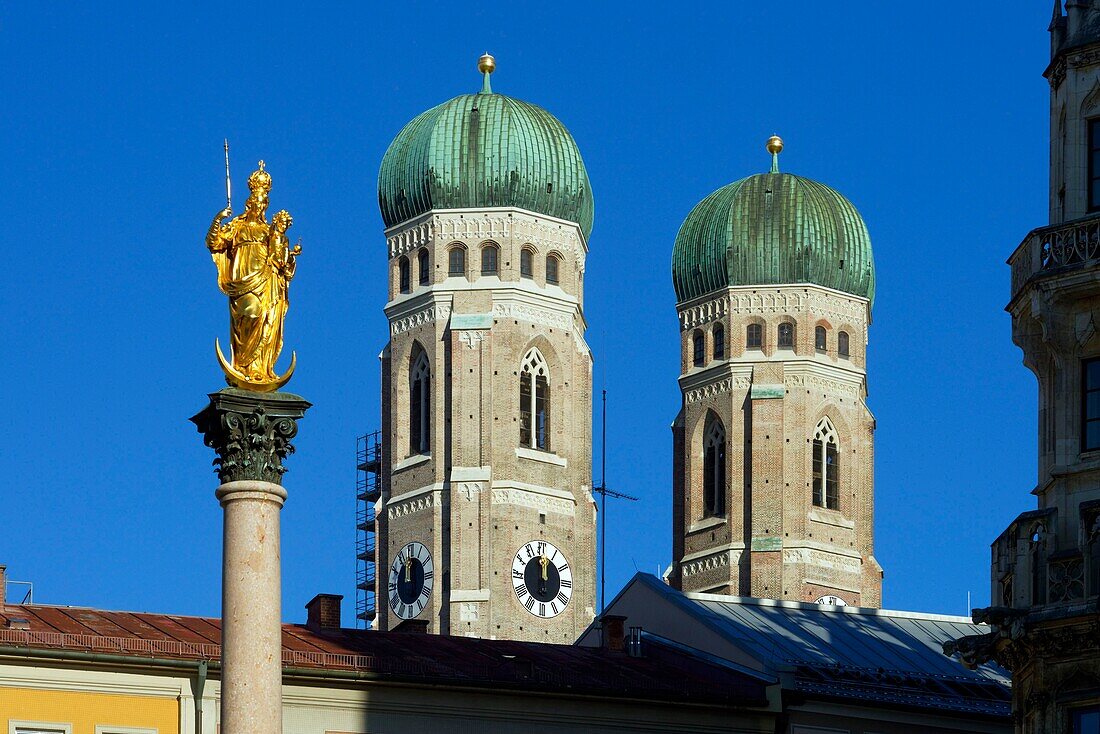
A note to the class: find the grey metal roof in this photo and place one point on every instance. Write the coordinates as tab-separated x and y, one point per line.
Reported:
853	652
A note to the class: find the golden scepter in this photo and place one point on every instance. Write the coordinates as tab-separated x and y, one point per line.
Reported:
228	181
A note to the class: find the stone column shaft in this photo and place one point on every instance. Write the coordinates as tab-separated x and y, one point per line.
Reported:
252	668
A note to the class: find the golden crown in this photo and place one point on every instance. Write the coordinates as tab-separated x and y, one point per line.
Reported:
260	180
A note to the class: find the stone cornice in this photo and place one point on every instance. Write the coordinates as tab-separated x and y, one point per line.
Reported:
503	224
729	376
837	306
509	302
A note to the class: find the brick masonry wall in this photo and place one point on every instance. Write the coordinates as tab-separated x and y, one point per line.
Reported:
478	498
772	541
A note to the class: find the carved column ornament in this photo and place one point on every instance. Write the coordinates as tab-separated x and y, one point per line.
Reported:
250	432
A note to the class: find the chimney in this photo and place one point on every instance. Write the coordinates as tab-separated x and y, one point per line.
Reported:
323	613
613	629
414	626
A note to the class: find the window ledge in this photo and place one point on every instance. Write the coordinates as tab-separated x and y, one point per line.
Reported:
546	457
706	523
410	462
831	517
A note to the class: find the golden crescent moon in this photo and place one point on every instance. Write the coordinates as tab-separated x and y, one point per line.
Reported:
236	379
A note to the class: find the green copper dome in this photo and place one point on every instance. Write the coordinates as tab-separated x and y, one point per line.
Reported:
485	150
769	229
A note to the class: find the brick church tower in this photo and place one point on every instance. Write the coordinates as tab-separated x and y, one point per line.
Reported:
486	524
773	484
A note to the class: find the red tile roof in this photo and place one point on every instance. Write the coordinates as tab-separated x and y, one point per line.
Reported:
661	673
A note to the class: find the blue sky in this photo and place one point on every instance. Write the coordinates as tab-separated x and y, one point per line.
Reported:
931	117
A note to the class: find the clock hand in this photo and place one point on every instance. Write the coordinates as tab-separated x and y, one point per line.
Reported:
544	562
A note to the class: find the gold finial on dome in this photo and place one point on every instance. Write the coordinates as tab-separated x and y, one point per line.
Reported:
775	147
486	65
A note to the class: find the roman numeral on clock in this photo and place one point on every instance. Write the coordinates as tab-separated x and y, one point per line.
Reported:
516	573
562	597
530	603
521	591
566	583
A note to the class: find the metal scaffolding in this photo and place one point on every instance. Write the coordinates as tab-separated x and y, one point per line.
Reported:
368	489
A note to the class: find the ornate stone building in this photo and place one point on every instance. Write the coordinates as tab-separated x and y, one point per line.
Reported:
1046	564
773	490
486	524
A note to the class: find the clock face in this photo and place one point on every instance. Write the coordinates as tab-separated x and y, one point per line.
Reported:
835	601
542	579
411	577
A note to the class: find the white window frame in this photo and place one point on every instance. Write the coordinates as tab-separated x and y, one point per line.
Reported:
827	434
109	729
35	727
535	366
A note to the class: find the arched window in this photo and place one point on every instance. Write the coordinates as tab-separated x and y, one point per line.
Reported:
754	336
489	257
456	261
826	466
698	349
403	274
534	402
786	335
719	335
821	339
422	271
842	344
552	263
714	468
420	394
526	263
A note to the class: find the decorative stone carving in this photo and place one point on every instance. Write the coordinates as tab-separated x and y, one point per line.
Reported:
469	612
717	388
250	432
709	563
525	498
1058	73
1084	58
837	309
410	239
1066	579
402	509
469	490
822	383
533	314
435	312
704	313
471	338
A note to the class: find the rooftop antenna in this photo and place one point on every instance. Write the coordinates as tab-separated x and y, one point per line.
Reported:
604	493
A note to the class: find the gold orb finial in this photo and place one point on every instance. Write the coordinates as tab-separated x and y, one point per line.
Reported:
774	145
486	64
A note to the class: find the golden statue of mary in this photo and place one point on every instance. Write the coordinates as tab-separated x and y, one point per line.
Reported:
255	266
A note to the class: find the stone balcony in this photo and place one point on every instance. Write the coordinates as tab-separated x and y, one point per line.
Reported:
1056	249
